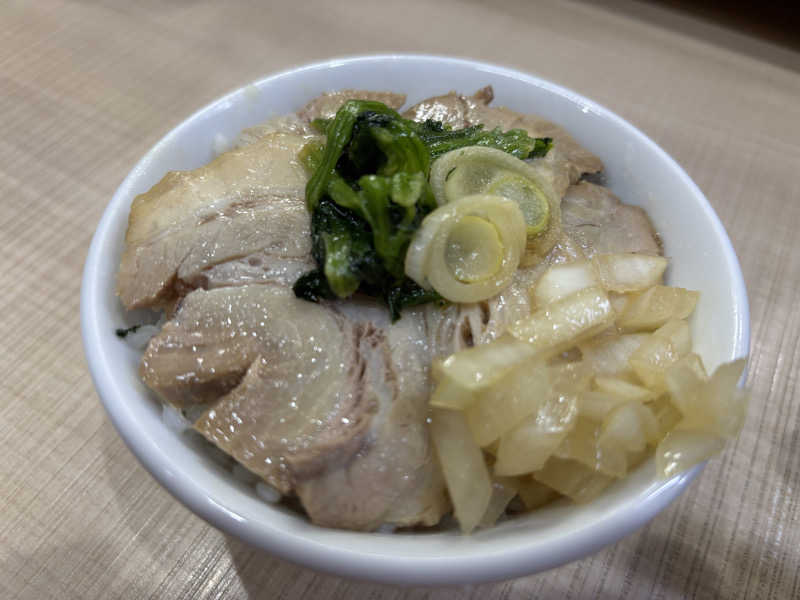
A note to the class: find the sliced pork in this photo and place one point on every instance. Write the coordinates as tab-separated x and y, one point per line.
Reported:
326	105
249	200
596	219
327	400
394	478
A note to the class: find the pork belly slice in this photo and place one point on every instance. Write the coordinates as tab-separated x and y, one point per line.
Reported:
300	392
596	219
246	201
395	477
216	335
563	165
326	399
326	105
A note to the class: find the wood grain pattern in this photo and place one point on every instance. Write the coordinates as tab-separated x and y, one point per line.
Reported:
87	87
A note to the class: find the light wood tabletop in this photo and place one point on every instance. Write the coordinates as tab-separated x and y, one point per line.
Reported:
87	87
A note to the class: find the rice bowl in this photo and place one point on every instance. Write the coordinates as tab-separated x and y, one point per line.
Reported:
702	258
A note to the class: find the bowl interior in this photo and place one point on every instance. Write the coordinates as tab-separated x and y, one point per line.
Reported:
637	170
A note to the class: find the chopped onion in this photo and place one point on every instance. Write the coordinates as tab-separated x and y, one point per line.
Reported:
663	348
629	272
715	406
609	354
654	307
562	324
596	405
482	365
564	403
684	383
584	445
623	389
572	479
562	280
174	419
449	394
463	466
629	426
267	492
526	447
503	491
681	449
666	413
534	493
505	404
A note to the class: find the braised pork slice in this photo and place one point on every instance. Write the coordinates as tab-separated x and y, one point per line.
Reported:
326	105
300	392
596	219
304	402
564	164
329	400
245	201
394	478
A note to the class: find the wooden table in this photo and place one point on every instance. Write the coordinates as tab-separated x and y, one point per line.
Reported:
87	87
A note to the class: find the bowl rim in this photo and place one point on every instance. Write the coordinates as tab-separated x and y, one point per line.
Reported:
377	565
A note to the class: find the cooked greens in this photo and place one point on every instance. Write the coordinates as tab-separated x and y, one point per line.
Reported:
369	192
124	332
440	140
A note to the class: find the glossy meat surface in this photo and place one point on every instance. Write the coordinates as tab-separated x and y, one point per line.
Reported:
246	200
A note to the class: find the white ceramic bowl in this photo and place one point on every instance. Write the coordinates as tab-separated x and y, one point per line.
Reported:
637	170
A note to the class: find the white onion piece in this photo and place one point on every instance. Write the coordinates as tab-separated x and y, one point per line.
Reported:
482	365
574	480
681	449
503	406
503	491
623	389
654	307
533	493
629	272
267	492
174	419
663	348
526	447
449	394
560	281
584	445
629	426
465	472
596	405
562	324
609	354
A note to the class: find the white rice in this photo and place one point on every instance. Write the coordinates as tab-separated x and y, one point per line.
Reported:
221	144
267	492
244	475
138	339
174	419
